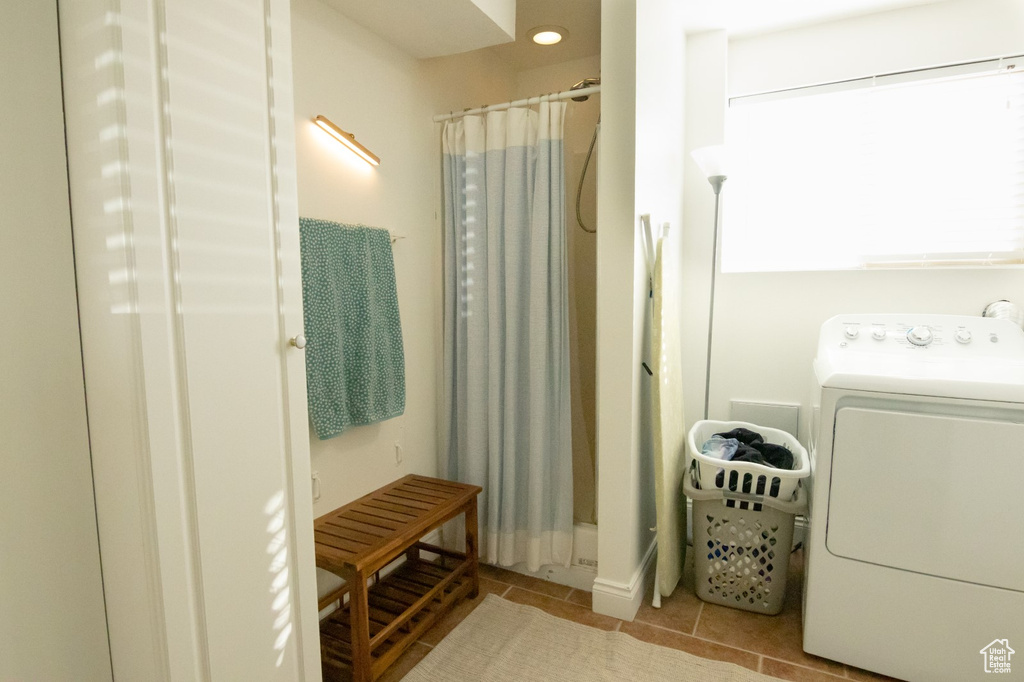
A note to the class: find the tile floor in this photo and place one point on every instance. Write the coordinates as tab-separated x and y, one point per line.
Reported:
768	644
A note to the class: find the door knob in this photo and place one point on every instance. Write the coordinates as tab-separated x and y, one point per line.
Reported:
298	341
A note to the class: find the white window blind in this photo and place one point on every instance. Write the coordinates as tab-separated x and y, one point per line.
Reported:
912	169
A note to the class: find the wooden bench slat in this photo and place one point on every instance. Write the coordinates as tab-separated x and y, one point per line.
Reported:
400	596
337	544
378	600
386	524
375	532
419	577
411	512
437	482
383	513
422	494
415	504
413	499
433	569
440	493
410	586
359	539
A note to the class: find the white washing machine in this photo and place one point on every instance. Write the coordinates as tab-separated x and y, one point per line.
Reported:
915	560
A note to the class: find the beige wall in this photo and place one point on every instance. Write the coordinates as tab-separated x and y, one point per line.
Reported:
640	171
386	98
707	63
766	324
52	620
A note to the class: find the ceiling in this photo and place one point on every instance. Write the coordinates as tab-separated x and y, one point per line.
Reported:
582	18
744	17
429	29
439	27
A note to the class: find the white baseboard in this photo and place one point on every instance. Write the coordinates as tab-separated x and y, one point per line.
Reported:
621	600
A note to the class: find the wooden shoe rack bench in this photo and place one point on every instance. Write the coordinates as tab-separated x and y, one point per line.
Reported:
369	632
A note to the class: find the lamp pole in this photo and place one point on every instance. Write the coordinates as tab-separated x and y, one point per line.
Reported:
716	183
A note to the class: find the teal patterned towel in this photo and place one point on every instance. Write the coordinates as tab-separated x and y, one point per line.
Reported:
355	362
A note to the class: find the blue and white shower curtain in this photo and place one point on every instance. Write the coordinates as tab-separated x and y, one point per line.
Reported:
507	424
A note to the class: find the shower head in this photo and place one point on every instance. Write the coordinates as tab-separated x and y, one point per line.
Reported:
585	83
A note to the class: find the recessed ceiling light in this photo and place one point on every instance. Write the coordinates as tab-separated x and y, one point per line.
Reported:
548	35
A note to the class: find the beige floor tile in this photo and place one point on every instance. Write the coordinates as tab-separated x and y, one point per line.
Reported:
525	581
795	673
562	608
582	598
442	627
723	634
778	636
406	662
691	645
678	611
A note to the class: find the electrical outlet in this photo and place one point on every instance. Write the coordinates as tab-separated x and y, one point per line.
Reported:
316	486
398	453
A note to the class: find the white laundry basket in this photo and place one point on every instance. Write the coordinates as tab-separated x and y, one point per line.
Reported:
750	479
743	522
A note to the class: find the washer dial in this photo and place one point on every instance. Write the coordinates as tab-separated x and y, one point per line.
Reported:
920	336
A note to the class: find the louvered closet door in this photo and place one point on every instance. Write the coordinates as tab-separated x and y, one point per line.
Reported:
180	138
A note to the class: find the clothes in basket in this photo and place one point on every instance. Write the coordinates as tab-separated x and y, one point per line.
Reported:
744	445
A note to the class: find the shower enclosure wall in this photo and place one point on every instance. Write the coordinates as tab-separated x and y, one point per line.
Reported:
581	131
581	225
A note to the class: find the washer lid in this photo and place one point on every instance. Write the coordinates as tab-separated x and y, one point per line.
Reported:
934	355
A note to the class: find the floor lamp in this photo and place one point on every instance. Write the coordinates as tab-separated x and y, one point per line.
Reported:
712	162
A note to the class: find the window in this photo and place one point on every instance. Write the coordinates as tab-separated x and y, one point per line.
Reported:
912	169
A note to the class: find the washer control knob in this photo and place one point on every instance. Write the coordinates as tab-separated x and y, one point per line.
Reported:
963	336
920	336
851	332
878	333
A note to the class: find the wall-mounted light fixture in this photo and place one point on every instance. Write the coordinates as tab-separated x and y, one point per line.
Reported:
347	139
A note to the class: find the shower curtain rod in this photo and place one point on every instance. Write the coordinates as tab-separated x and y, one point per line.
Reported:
568	94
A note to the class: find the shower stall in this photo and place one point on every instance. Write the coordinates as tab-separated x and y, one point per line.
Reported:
483	245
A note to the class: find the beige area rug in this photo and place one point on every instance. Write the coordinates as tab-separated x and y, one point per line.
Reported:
501	641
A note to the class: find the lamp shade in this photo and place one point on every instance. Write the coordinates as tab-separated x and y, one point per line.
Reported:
713	160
